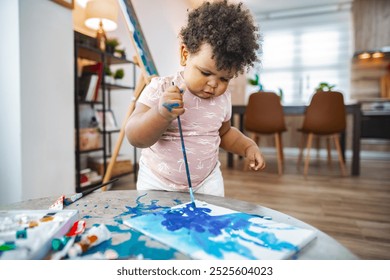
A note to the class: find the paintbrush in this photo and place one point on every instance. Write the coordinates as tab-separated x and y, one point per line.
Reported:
183	148
77	196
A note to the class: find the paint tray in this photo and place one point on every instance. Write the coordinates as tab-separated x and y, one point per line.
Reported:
27	234
213	232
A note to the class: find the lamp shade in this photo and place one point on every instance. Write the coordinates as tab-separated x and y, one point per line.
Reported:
105	11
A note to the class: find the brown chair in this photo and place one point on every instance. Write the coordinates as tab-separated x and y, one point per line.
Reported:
264	115
325	116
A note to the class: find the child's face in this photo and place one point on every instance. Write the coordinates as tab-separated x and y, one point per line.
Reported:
201	75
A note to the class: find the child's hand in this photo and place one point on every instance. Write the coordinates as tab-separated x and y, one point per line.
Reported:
255	158
171	103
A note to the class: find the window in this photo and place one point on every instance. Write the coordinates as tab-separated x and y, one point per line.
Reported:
300	52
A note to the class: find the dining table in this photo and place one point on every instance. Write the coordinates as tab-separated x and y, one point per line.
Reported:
112	208
297	109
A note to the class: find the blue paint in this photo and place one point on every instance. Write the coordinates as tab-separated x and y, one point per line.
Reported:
140	209
171	106
263	217
87	217
177	201
195	223
194	229
133	247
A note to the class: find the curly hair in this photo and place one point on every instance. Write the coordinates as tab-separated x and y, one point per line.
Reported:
229	29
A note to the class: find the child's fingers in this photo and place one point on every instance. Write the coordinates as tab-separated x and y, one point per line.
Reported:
171	103
181	88
257	162
177	89
260	163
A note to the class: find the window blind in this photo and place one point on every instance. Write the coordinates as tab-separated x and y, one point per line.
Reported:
299	52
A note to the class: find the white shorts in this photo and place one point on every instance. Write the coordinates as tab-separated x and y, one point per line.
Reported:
212	185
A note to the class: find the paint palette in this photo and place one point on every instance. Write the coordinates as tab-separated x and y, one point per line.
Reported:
213	232
27	234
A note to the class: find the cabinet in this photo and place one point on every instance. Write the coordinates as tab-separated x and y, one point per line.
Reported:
88	109
371	24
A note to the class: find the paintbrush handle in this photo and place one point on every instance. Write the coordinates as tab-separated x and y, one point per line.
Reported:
184	153
84	193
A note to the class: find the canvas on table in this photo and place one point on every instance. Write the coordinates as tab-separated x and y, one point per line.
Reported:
213	232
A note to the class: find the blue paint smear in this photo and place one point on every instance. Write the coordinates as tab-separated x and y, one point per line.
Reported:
196	229
87	217
134	247
194	222
142	208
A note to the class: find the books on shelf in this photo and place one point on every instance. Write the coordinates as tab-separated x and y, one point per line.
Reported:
88	177
88	85
108	118
90	81
122	165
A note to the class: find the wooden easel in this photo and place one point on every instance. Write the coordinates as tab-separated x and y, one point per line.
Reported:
127	11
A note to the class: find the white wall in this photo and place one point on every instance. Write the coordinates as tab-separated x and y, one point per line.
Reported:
37	138
36	87
10	122
161	24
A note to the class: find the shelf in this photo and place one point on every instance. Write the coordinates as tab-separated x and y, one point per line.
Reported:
111	131
114	86
122	175
82	102
95	54
85	48
112	59
91	150
90	53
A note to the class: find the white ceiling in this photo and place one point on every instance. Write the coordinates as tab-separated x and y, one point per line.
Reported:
267	6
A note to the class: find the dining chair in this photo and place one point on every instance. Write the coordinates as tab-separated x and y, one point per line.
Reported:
325	116
264	115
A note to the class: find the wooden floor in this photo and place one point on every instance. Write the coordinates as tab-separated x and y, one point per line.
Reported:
353	210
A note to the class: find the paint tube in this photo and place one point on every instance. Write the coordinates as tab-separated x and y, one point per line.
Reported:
93	237
66	242
58	204
62	254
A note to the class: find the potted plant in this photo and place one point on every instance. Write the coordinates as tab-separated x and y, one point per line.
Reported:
256	82
111	45
118	75
323	86
121	53
108	75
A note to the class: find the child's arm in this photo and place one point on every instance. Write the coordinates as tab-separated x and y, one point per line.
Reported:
233	141
146	125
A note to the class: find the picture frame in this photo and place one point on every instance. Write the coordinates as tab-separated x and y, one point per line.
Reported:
108	117
65	3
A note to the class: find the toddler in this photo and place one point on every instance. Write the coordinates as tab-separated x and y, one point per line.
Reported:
219	41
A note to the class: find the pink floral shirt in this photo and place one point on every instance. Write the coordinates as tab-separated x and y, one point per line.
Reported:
200	125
